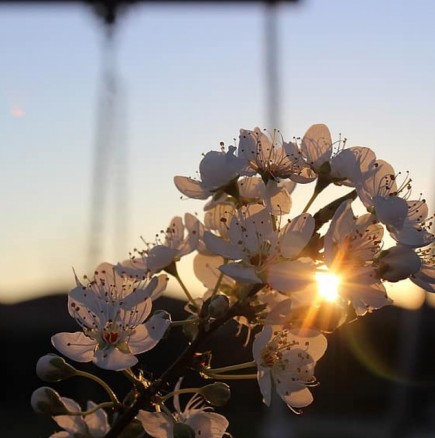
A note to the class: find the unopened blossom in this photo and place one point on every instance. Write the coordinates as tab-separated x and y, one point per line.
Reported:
94	425
286	360
218	171
196	416
262	254
113	333
53	368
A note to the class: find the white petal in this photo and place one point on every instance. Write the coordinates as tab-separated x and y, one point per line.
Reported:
242	273
298	399
162	282
288	276
140	296
413	237
190	187
260	342
317	145
75	346
113	359
72	424
159	257
206	269
264	379
134	268
222	247
146	336
97	422
296	235
312	341
390	210
156	424
208	424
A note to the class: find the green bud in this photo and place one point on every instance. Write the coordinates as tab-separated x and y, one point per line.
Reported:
53	368
218	306
46	400
217	394
182	430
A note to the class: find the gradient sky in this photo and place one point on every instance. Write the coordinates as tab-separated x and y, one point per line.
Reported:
192	76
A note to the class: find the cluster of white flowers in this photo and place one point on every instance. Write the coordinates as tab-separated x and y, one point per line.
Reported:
258	261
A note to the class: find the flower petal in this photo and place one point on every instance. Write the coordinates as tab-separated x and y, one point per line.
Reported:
146	336
242	273
113	359
288	276
75	346
208	424
191	187
156	424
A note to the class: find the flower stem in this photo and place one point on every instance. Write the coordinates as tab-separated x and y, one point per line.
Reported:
184	322
132	377
239	366
91	411
175	370
186	291
180	391
233	376
310	201
218	281
103	384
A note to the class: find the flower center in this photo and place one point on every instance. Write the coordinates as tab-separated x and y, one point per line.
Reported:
111	337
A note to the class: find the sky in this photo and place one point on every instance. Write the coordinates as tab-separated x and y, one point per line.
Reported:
188	77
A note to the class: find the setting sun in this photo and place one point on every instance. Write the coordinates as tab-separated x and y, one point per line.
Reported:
327	285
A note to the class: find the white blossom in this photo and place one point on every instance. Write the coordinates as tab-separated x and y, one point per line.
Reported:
196	415
286	360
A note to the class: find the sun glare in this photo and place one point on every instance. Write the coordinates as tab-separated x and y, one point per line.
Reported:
327	286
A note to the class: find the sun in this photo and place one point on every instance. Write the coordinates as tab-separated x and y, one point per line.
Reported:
327	285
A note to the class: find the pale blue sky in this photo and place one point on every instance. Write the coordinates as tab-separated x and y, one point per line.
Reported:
192	76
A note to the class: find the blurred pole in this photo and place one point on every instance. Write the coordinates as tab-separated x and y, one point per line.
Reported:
273	89
110	155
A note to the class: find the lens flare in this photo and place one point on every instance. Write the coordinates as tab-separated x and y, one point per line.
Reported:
327	286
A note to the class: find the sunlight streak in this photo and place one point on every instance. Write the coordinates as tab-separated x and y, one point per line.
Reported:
327	285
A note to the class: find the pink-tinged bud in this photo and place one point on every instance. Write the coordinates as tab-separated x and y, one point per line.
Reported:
398	263
217	394
46	400
53	368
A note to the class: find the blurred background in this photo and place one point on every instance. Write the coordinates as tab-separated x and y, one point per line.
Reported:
97	118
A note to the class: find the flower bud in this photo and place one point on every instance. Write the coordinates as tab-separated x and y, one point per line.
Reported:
182	430
398	263
217	394
46	400
53	368
218	306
